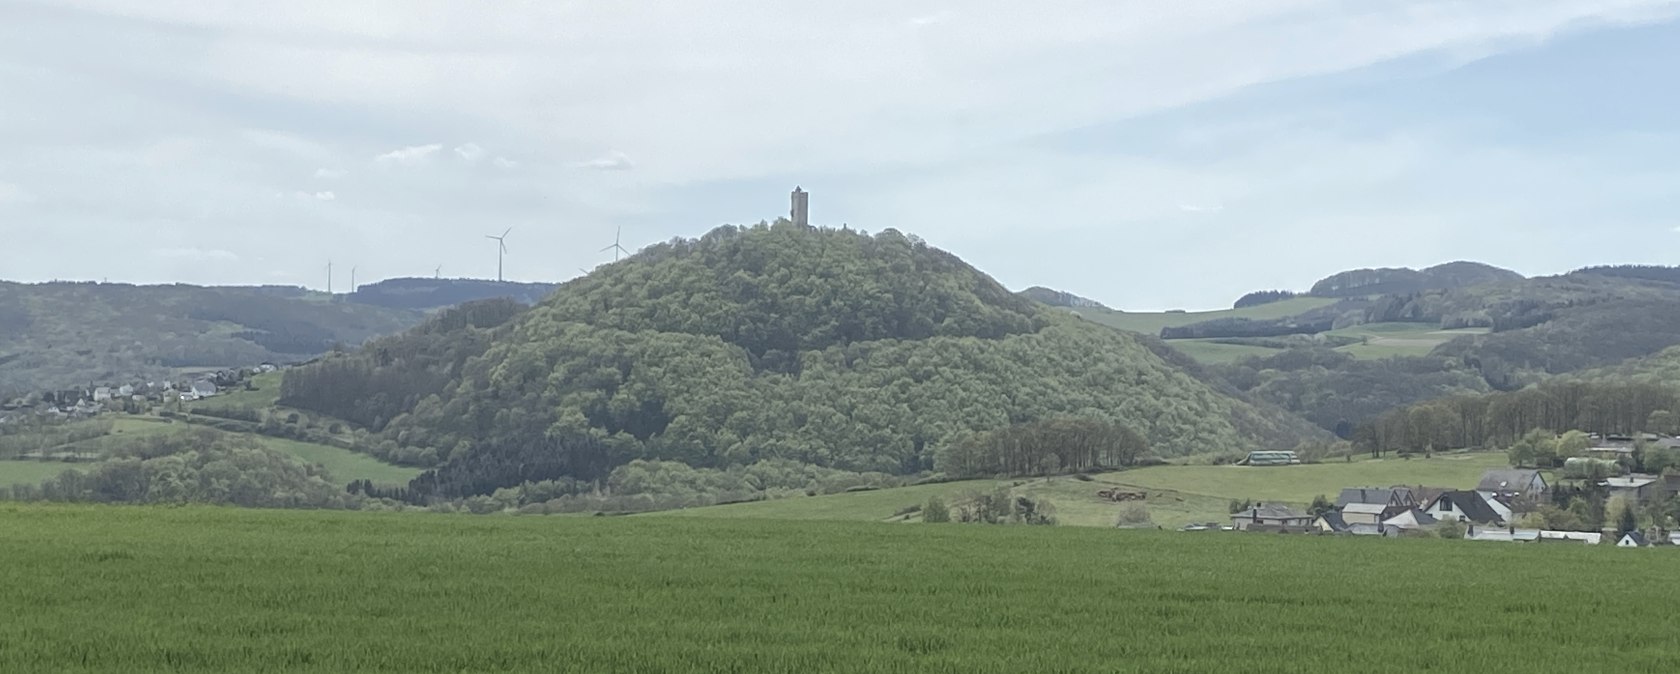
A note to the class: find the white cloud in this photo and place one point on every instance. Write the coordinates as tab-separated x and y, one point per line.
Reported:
1195	208
330	173
471	152
413	154
196	254
612	161
14	194
505	163
325	196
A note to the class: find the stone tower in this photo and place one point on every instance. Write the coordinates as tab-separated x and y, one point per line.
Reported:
801	208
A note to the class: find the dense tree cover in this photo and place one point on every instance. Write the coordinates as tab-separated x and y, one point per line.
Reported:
827	347
1045	447
1634	271
1501	419
1337	391
1258	298
1359	282
1058	298
60	335
203	466
426	293
393	374
1578	338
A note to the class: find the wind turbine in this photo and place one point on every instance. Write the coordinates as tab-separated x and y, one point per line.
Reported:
615	248
501	243
352	280
329	278
438	273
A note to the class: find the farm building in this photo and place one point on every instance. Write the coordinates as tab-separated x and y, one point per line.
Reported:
1640	488
1330	523
1632	539
1270	458
1274	517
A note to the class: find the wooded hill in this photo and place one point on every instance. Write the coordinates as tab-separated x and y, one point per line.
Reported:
61	335
829	347
1534	329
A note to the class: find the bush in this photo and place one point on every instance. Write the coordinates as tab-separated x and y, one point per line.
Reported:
935	512
1134	514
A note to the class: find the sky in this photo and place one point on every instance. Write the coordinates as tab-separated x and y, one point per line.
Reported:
1147	154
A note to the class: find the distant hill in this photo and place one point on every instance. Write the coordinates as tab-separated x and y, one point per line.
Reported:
55	335
831	348
1057	298
1388	281
426	293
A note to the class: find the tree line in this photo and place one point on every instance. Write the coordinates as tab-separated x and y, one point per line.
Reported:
1502	418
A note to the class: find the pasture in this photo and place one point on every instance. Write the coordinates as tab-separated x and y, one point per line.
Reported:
1176	495
109	589
1151	322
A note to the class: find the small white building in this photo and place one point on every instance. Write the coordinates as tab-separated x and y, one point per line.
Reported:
1632	539
204	388
1468	506
125	390
1411	518
1363	513
102	394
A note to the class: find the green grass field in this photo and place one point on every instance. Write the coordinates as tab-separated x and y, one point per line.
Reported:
1152	322
1387	340
14	471
343	464
1177	495
105	589
265	395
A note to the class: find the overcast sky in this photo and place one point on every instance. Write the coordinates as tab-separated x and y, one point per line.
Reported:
1145	153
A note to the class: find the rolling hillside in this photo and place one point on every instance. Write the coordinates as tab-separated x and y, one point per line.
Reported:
826	347
58	335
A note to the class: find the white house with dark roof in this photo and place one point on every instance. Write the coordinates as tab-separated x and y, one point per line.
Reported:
1271	516
1466	506
1364	513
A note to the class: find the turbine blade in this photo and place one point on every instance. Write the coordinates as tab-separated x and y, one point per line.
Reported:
504	234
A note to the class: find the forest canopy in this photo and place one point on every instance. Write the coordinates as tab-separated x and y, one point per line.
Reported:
828	347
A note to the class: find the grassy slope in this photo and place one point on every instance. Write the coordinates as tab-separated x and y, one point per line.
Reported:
343	464
1177	495
1152	322
229	591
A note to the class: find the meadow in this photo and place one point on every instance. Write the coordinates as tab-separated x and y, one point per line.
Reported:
1151	322
1177	495
115	589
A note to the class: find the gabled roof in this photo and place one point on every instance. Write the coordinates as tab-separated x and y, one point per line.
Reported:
1637	538
1630	482
1508	479
1422	518
1270	511
1333	520
1371	495
1365	508
1471	504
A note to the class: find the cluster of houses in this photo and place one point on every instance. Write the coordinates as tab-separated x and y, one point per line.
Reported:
1488	513
94	400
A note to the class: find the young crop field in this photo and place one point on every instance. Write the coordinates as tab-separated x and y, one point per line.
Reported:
98	589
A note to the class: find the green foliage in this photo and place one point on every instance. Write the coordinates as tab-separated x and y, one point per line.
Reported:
480	595
935	511
827	347
59	335
1134	515
199	467
1500	419
1320	505
1451	531
1627	519
1045	447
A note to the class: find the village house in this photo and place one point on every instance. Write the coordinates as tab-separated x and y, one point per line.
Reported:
1633	539
204	388
102	394
1411	518
1365	513
1639	488
1467	506
1330	523
1271	517
1514	483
